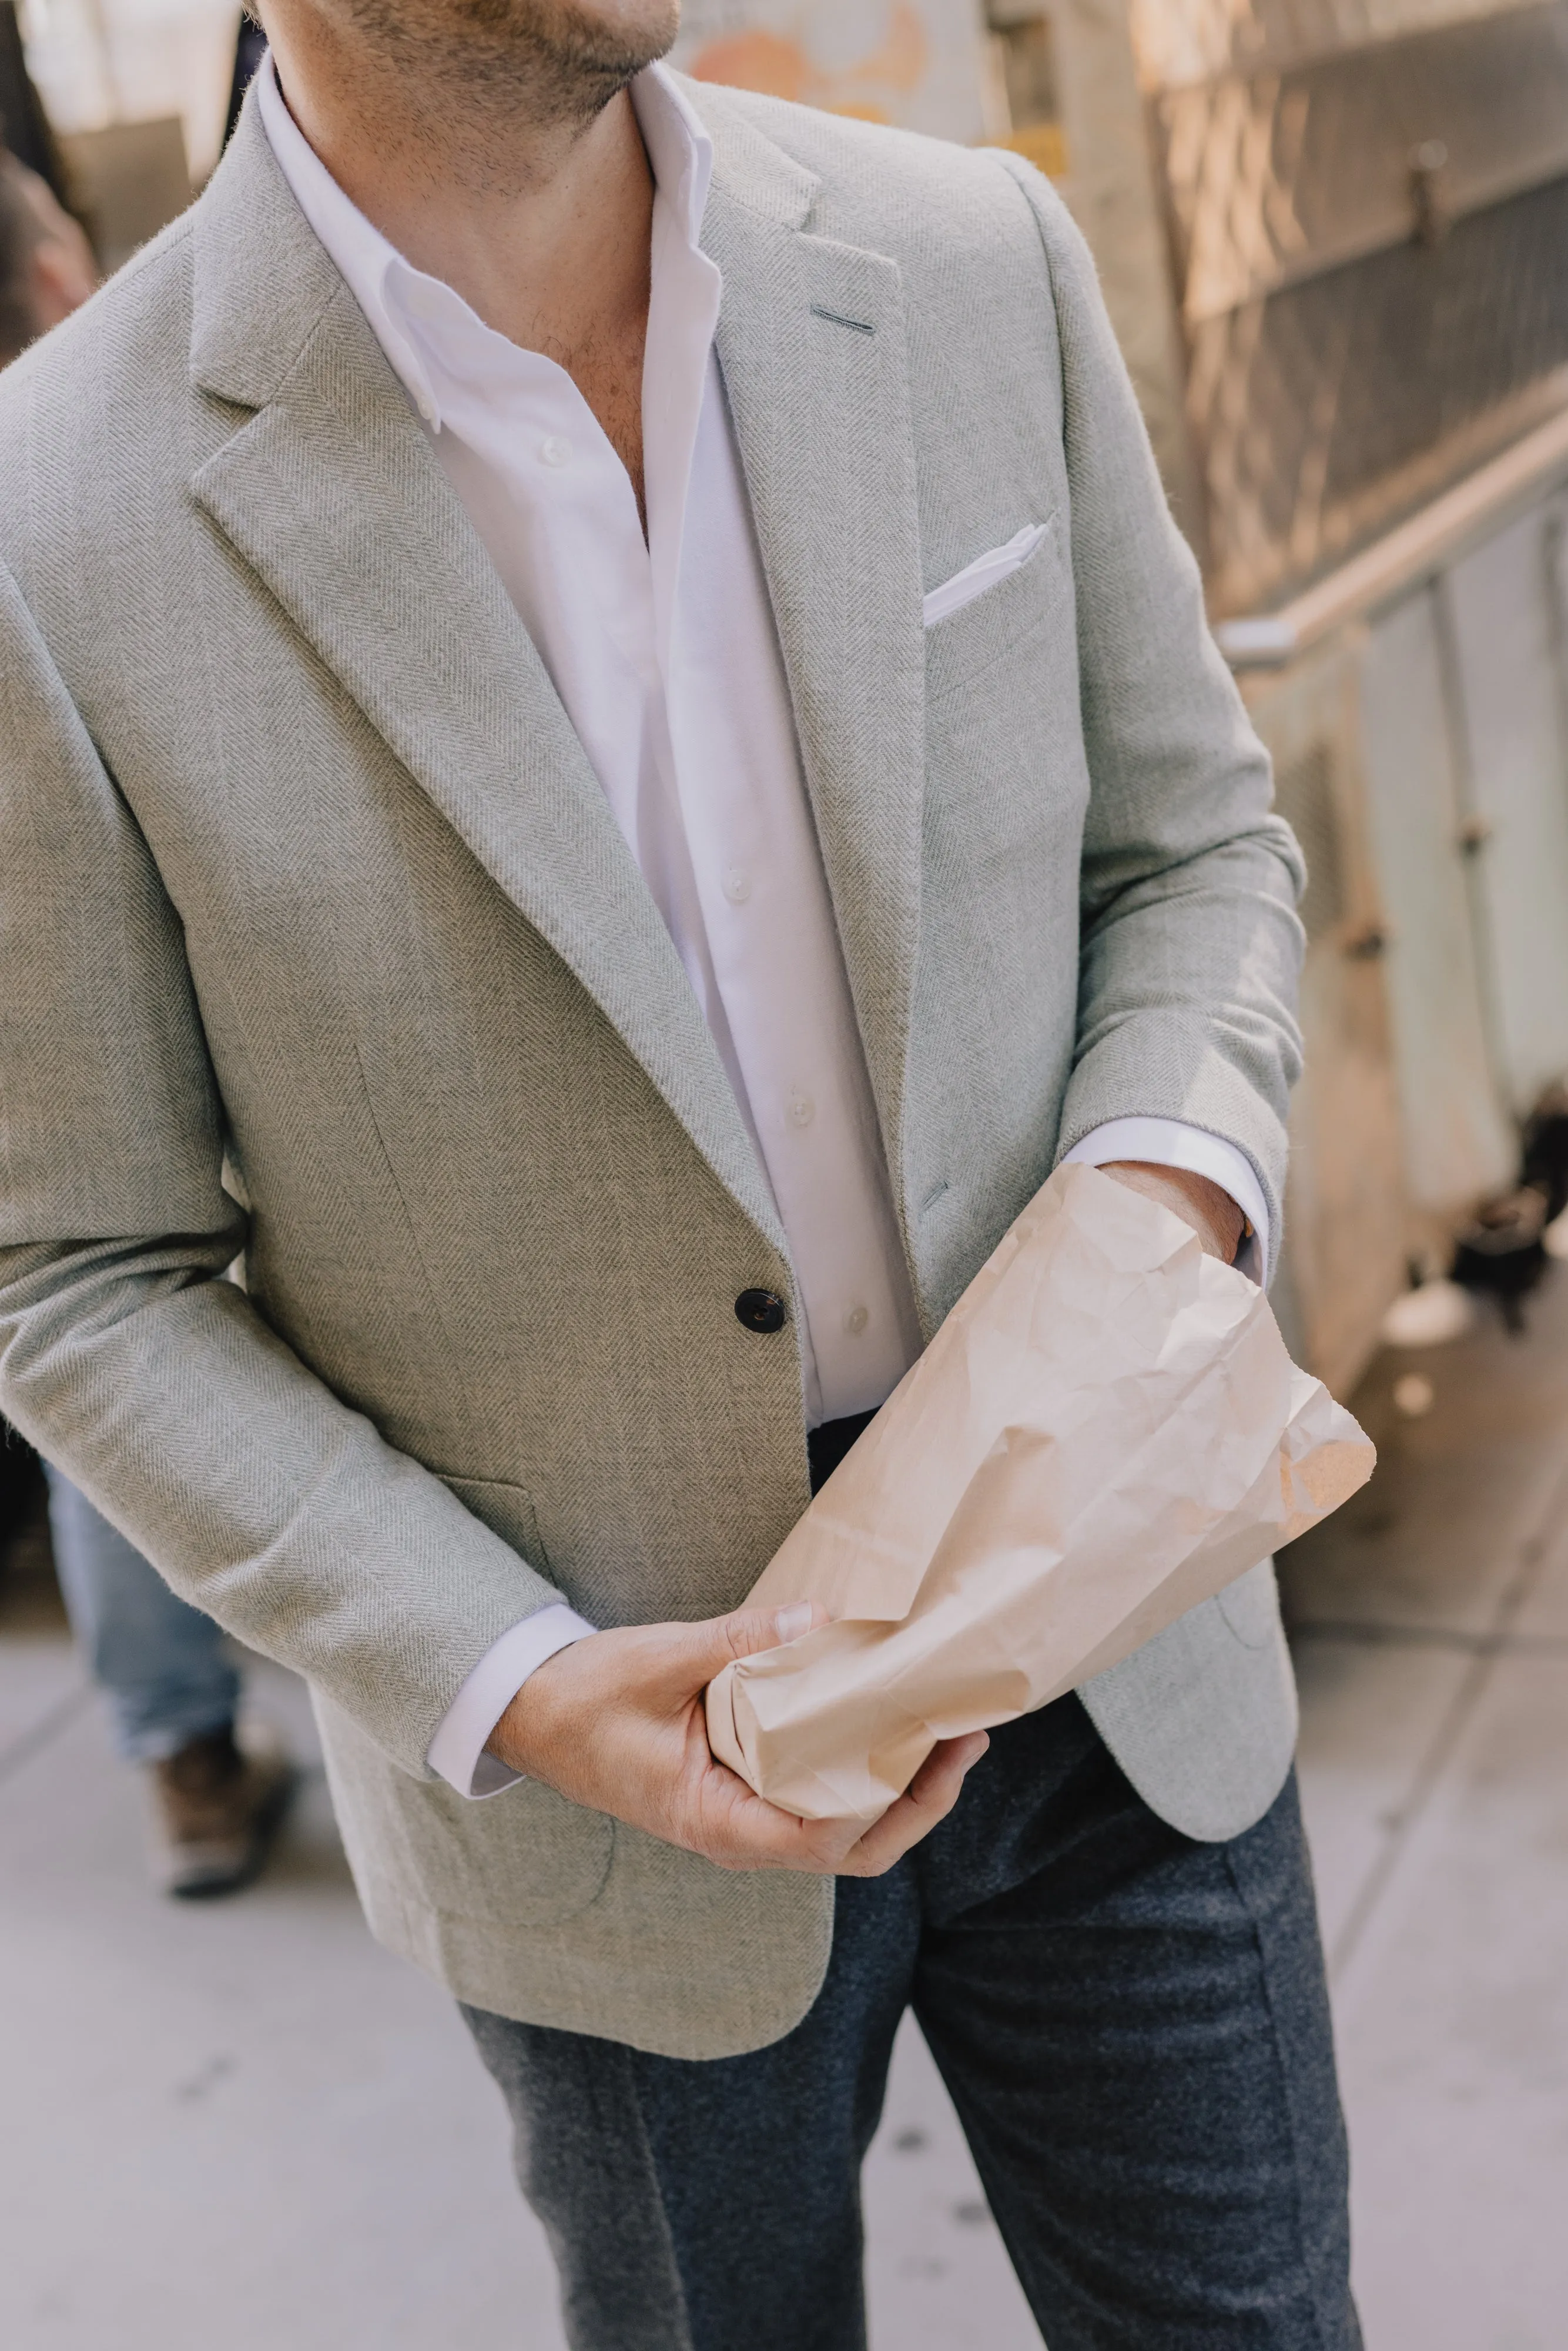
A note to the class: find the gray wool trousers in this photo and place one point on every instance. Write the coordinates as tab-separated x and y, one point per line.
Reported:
1135	2031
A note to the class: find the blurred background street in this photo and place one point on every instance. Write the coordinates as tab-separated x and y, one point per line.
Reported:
295	2128
1334	244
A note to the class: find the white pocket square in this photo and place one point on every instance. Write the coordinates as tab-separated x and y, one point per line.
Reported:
983	573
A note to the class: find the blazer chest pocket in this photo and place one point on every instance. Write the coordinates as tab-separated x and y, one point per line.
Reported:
984	627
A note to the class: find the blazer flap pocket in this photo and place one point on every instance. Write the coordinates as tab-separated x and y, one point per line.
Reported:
527	1858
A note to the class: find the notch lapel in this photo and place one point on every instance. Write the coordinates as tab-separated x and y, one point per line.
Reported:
332	495
811	344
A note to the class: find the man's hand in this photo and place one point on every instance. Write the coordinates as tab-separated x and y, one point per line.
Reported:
616	1722
1210	1211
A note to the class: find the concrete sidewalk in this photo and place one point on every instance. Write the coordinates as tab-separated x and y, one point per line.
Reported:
1431	1627
246	2124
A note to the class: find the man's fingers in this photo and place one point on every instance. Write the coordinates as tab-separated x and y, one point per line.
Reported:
946	1767
741	1829
747	1630
930	1797
698	1652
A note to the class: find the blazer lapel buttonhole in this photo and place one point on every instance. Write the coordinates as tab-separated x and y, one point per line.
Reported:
837	318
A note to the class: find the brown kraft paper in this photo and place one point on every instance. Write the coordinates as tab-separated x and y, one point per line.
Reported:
1106	1430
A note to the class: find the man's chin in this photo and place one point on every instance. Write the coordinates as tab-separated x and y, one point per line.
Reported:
573	55
612	38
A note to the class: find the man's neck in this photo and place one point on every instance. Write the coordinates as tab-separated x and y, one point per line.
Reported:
543	226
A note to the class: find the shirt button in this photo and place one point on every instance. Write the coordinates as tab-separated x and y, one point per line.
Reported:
736	885
856	1319
554	449
802	1110
760	1310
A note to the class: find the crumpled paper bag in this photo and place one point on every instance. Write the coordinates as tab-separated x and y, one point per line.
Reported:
1105	1430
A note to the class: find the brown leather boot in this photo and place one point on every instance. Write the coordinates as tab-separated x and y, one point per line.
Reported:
218	1807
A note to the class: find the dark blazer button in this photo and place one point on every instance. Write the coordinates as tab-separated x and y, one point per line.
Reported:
759	1309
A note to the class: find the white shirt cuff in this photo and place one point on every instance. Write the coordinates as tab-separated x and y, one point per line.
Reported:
457	1749
1171	1143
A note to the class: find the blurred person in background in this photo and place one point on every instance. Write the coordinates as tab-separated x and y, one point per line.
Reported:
47	268
172	1693
163	1667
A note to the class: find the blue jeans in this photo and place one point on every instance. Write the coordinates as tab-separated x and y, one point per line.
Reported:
160	1664
1135	2031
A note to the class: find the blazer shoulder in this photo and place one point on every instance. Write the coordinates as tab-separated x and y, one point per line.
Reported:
99	399
145	305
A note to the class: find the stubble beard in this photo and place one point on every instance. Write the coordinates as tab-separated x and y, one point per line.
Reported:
493	66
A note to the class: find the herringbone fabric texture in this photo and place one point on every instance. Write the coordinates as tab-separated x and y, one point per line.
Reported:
318	944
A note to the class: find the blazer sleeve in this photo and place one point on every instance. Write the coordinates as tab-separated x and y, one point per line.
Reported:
1191	949
124	1354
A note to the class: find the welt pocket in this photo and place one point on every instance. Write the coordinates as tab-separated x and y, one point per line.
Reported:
997	622
506	1509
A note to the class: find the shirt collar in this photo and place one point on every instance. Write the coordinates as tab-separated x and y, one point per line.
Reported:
391	292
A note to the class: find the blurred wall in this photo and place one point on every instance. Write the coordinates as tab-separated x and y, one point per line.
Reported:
97	62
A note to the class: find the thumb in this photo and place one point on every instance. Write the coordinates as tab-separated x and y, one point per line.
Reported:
745	1631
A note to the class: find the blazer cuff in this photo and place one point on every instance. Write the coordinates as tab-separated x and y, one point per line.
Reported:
1171	1143
457	1750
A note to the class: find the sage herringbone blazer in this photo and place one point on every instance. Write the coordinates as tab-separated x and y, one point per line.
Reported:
318	944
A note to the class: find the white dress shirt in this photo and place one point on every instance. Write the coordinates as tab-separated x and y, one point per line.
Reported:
665	658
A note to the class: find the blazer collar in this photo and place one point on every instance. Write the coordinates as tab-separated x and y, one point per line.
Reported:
262	281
